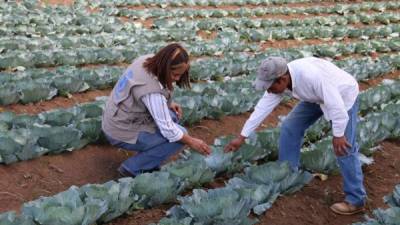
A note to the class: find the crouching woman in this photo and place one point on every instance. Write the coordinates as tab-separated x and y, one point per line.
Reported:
140	115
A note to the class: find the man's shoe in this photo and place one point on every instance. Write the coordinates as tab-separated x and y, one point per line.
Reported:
345	208
124	173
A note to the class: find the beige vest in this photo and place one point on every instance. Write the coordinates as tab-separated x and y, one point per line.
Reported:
125	115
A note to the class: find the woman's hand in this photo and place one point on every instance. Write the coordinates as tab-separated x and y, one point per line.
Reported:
177	109
200	146
196	144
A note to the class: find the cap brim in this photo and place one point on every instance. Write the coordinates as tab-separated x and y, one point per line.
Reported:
262	85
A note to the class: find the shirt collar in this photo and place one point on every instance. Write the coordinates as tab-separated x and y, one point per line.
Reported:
293	77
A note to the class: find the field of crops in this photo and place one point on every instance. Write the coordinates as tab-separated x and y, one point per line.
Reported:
60	59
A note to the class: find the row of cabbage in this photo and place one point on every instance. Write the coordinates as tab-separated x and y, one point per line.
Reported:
212	24
254	190
24	137
211	100
98	203
126	43
390	216
318	32
235	64
92	43
341	9
19	86
44	85
96	55
111	55
40	84
180	3
30	19
30	136
37	14
123	38
126	38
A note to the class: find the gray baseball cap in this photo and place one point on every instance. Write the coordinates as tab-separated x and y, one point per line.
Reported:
270	69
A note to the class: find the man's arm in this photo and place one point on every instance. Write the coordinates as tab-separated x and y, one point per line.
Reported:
334	104
263	108
337	113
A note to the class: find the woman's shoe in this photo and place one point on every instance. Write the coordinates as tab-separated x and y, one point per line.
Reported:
124	173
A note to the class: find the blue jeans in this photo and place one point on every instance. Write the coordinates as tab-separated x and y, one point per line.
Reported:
152	150
291	140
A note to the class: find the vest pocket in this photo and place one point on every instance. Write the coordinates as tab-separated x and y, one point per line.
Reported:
141	118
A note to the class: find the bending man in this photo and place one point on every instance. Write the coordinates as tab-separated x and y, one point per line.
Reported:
323	89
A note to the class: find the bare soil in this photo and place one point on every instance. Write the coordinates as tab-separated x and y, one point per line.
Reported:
229	7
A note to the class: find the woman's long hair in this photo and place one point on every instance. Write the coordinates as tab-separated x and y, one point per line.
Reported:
165	61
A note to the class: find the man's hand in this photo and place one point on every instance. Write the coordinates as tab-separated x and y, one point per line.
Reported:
340	146
177	109
234	144
200	146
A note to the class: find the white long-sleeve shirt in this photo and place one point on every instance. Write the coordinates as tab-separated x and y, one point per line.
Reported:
317	81
156	103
